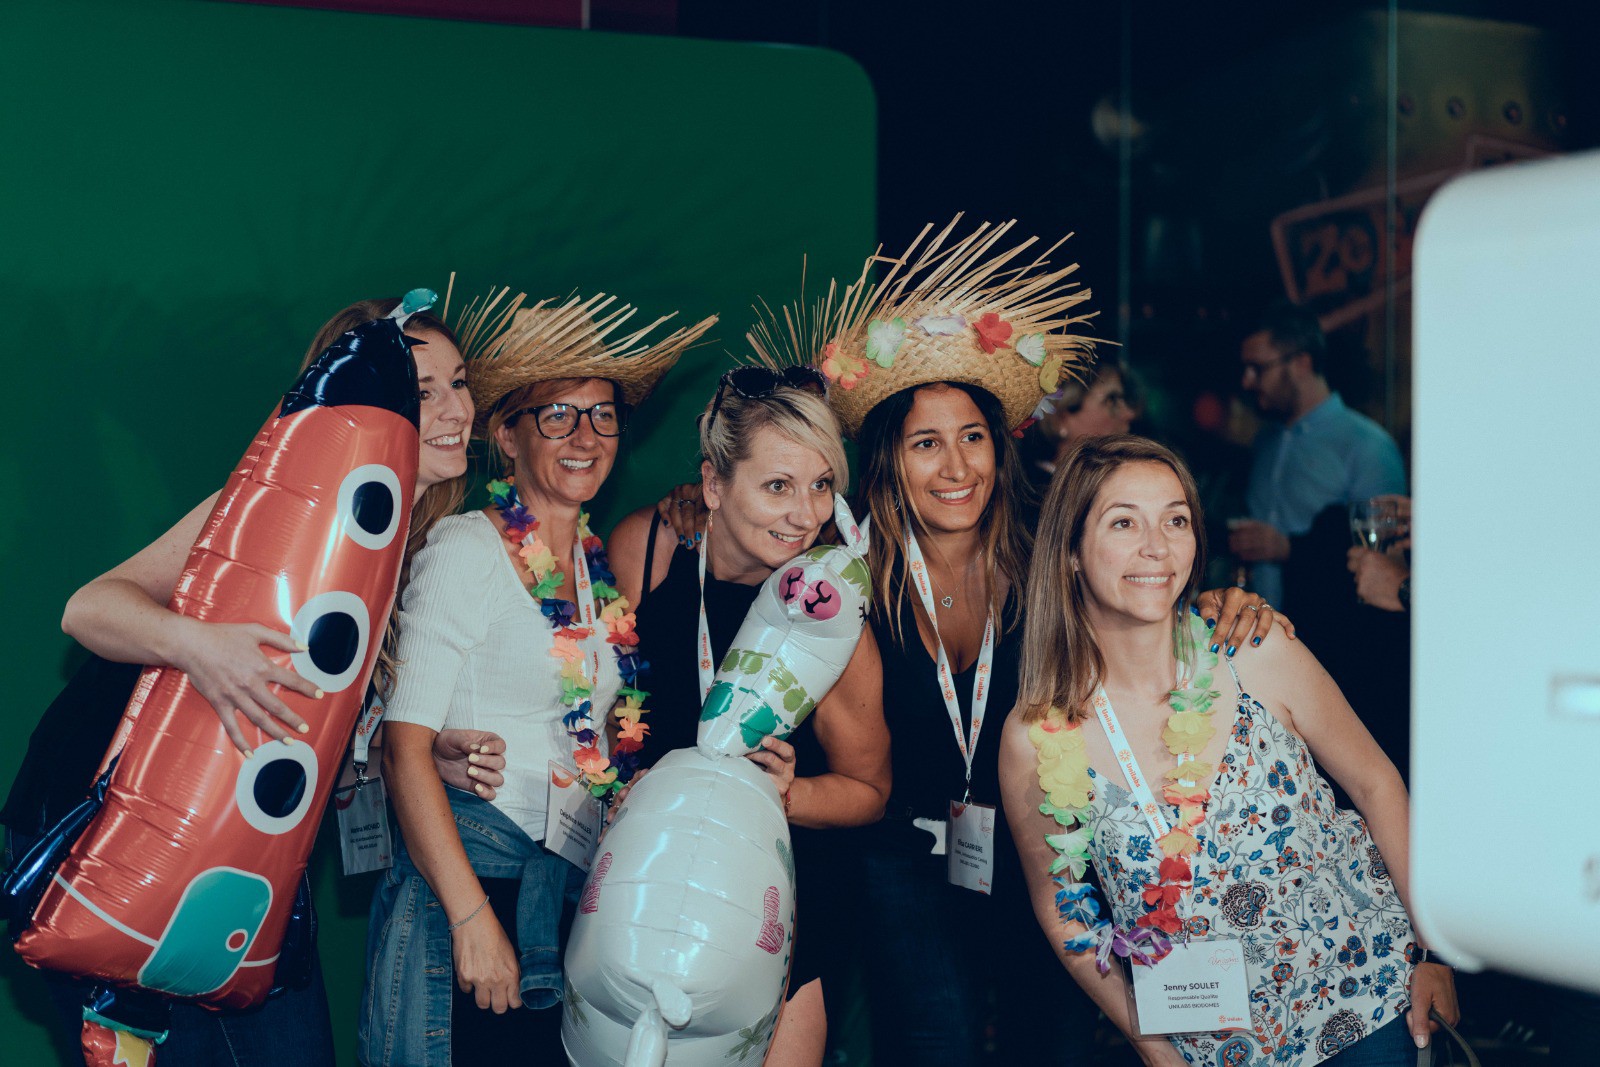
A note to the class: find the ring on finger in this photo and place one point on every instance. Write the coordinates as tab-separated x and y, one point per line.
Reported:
1252	607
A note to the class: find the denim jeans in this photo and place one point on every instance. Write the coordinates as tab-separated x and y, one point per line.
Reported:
1388	1046
406	1005
941	961
289	1030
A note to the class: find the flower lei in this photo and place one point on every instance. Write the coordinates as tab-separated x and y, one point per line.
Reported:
1064	777
602	775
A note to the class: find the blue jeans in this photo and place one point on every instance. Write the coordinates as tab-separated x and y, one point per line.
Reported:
941	961
1388	1046
406	1005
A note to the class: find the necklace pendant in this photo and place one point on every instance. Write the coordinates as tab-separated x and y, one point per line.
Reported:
948	601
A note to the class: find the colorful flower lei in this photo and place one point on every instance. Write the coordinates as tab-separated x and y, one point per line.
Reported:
602	775
1064	777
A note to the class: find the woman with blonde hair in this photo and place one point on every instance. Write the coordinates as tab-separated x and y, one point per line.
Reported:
124	619
1244	858
772	462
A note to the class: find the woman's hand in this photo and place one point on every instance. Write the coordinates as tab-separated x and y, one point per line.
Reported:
777	759
1238	616
1433	989
684	509
471	760
225	663
1378	578
486	964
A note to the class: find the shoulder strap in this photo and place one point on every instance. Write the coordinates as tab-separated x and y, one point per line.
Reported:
649	558
1235	672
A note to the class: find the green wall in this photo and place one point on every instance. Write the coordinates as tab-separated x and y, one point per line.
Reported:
189	189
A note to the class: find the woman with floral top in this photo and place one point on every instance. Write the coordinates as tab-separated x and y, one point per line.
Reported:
1245	845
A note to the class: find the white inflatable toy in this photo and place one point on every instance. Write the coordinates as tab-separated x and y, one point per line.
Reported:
681	948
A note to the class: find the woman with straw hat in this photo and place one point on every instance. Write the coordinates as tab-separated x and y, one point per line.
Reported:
510	623
933	370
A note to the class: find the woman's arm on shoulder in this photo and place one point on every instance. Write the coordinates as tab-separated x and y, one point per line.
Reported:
123	616
626	550
850	727
1021	796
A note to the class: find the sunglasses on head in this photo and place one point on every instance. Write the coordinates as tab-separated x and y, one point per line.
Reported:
753	383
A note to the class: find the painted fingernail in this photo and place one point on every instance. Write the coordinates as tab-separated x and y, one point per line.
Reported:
302	646
1255	640
304	728
320	694
472	772
472	758
479	788
1230	650
696	538
249	753
473	747
1194	609
1420	1039
1212	623
289	741
1215	648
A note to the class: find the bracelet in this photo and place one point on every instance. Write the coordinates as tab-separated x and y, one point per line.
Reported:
458	925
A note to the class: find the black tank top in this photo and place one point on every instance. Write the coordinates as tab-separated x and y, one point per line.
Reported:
668	622
928	769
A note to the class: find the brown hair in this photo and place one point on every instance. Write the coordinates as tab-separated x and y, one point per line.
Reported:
436	501
530	395
1061	661
883	487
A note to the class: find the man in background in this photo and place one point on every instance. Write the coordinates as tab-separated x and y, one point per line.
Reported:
1314	453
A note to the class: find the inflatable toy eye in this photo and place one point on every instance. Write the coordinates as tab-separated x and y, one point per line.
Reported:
792	584
822	600
274	790
335	626
369	505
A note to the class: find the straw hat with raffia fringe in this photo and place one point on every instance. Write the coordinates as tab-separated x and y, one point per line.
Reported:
508	346
948	310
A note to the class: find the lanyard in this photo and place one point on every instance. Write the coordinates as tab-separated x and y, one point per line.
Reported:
703	648
1153	812
361	747
947	688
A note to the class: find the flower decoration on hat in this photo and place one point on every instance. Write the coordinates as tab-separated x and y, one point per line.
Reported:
949	309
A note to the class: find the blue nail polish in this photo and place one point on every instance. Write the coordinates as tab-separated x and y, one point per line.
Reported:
1194	609
1230	651
1255	640
697	539
1213	624
1215	647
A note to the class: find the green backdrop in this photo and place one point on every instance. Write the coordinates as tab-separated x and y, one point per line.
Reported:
190	189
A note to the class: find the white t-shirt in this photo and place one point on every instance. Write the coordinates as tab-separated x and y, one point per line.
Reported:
475	653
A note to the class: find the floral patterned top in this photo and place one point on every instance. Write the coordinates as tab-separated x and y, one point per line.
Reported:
1297	879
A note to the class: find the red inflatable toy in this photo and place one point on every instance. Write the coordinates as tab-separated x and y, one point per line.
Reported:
183	879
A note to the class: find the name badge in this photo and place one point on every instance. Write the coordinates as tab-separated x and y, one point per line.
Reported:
970	861
364	841
1198	987
571	818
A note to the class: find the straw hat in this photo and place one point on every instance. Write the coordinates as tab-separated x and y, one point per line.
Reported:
947	311
508	346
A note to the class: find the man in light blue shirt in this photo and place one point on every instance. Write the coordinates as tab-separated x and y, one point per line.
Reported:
1320	454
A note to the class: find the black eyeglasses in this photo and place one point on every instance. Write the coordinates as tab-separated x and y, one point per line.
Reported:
556	421
753	383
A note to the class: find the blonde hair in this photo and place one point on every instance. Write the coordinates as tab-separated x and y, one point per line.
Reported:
1061	661
883	483
798	414
435	502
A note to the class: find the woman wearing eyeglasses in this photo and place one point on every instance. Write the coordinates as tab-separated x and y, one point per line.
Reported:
772	461
509	624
